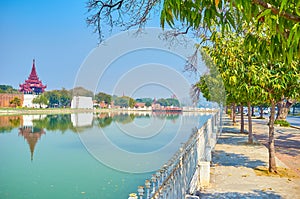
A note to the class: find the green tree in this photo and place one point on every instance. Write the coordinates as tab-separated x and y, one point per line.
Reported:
124	101
147	104
162	102
249	80
53	98
121	101
173	102
41	99
239	71
276	22
100	97
7	89
144	100
64	98
278	79
131	102
15	101
58	98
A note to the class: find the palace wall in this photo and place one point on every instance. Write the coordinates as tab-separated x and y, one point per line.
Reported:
5	98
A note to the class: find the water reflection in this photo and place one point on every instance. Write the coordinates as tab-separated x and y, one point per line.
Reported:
61	122
32	135
48	151
80	121
8	123
105	119
33	127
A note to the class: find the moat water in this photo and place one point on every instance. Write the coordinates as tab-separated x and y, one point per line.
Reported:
104	156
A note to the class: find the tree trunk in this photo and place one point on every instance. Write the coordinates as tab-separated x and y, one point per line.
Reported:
250	135
271	147
233	114
261	111
239	109
283	108
242	119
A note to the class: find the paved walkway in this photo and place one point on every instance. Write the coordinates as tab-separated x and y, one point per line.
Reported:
234	161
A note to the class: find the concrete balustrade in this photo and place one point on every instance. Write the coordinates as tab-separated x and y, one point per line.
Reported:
188	170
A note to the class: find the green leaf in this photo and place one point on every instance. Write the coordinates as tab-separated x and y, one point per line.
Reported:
283	3
265	12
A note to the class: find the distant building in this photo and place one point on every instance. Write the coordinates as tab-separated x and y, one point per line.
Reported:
31	88
32	85
140	105
103	105
82	102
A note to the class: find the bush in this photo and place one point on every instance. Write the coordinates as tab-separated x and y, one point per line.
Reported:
282	123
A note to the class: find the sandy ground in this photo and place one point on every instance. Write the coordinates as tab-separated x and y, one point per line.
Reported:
234	161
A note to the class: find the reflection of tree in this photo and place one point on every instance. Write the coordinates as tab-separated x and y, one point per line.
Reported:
8	123
172	116
168	116
60	122
104	120
124	118
15	122
5	129
142	116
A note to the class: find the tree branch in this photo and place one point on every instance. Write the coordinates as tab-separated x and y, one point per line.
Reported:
276	11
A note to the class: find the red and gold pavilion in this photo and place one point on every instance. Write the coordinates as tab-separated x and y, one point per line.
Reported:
32	85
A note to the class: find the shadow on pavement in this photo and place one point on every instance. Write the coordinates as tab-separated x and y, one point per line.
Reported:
286	144
237	160
257	194
230	140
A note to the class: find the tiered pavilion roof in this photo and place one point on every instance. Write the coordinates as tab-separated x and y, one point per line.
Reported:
32	85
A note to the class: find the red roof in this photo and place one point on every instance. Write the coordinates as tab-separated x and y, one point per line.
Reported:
32	84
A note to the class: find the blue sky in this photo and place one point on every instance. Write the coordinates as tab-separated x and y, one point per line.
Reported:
53	32
56	35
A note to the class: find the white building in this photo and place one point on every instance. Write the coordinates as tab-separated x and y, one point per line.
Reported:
28	101
82	102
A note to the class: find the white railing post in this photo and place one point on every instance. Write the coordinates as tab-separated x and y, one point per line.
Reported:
148	186
153	179
141	191
204	173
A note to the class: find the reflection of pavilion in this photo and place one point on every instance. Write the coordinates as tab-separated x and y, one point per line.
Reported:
31	133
